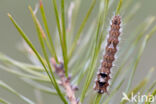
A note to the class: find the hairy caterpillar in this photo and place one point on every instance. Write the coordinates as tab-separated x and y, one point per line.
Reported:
103	75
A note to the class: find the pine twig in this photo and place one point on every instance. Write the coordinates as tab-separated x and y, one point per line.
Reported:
65	82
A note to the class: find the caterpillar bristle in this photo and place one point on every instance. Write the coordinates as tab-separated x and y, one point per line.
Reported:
102	81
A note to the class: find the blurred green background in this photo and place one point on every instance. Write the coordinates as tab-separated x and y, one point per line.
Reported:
9	38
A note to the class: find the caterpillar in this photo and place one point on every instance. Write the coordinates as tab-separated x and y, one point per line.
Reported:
103	75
